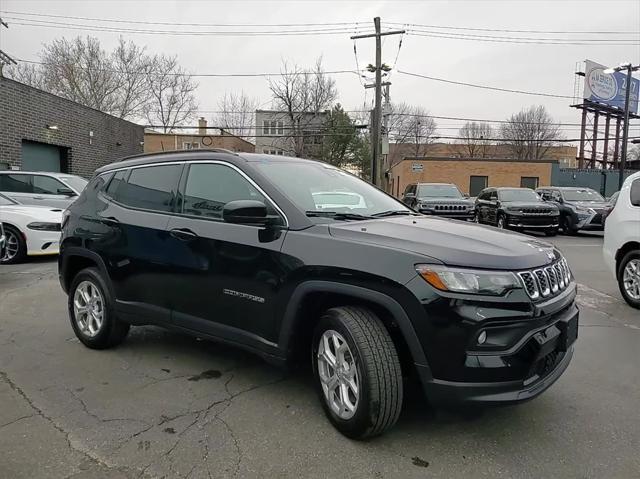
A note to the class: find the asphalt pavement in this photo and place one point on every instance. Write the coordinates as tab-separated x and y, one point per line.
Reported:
166	405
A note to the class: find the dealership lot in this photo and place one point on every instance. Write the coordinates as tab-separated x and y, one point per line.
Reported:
169	405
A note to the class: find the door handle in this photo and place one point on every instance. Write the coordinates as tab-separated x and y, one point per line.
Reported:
109	221
183	234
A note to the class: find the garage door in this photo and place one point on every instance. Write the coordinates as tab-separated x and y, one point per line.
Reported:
40	157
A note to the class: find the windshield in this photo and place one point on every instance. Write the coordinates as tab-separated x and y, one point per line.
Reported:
524	194
438	191
315	186
581	195
75	182
5	201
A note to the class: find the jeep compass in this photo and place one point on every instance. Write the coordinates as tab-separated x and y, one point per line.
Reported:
242	248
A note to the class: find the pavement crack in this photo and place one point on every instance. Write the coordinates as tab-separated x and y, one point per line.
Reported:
16	420
98	418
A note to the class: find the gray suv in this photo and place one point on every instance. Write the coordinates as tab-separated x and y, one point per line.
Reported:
56	190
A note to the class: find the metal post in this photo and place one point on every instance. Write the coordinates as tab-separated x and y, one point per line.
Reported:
605	152
583	130
594	145
625	130
377	115
616	148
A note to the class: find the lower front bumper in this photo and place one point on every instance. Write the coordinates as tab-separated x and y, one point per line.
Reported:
447	392
454	216
533	223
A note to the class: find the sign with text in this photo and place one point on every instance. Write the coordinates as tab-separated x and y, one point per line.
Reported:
417	167
609	89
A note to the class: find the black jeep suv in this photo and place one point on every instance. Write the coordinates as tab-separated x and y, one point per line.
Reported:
439	199
517	209
233	247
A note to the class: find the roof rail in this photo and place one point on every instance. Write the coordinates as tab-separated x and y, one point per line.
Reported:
168	152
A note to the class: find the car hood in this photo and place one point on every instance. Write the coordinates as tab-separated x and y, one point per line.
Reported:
451	242
39	213
588	204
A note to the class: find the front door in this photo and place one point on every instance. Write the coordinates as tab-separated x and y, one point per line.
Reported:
492	208
49	191
227	274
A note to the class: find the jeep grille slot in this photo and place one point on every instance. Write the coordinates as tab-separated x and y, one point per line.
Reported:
548	281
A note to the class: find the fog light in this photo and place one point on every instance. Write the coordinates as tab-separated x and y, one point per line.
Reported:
482	337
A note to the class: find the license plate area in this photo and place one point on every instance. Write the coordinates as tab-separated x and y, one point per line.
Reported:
568	332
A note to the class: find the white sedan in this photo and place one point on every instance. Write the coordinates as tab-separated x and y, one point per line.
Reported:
29	230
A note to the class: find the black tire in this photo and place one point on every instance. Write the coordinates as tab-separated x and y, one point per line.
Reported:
15	237
567	228
551	232
503	218
631	255
112	331
378	367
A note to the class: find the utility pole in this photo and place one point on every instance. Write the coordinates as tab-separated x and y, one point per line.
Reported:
4	58
625	132
376	164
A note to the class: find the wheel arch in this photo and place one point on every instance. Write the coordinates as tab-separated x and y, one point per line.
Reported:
623	250
73	260
311	298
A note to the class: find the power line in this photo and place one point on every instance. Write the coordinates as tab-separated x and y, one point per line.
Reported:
551	32
523	41
485	87
110	20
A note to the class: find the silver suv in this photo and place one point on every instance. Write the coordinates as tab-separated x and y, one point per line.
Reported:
57	190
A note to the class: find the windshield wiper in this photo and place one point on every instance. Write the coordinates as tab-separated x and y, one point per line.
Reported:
394	213
337	215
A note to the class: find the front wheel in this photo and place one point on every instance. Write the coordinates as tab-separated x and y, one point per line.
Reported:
629	278
567	228
16	247
502	222
357	372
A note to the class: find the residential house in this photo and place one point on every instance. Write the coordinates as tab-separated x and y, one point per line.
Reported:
278	134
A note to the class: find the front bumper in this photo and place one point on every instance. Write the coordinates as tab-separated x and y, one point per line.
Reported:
533	222
593	221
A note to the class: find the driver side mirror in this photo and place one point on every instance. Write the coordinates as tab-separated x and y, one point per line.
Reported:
410	195
245	212
465	195
66	192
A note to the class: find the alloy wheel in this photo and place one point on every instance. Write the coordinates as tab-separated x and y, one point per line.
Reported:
501	222
88	308
338	374
631	279
12	247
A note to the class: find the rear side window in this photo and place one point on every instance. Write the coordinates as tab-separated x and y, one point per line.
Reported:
210	186
150	188
635	193
16	183
45	185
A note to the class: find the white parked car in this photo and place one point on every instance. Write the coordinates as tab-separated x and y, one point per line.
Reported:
622	240
41	188
28	230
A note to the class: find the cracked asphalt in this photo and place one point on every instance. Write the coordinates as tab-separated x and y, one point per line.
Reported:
166	405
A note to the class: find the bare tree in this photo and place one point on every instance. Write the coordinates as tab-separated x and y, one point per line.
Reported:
27	73
131	64
531	133
172	90
411	125
476	139
237	114
302	94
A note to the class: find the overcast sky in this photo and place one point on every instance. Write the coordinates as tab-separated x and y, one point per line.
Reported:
534	67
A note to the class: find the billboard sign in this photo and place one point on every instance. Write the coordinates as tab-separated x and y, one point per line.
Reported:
609	89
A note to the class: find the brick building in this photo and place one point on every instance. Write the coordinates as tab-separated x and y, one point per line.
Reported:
41	131
470	175
564	154
155	141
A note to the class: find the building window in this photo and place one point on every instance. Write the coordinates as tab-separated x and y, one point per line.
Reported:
273	127
477	184
187	145
269	151
312	137
529	182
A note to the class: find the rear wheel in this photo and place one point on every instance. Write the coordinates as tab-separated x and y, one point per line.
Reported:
92	313
16	249
357	372
629	278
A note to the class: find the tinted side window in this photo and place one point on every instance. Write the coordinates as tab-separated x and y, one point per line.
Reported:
45	185
16	183
635	192
116	181
493	195
210	186
151	188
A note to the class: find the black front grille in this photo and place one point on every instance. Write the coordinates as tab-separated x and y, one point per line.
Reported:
450	207
597	219
536	211
547	281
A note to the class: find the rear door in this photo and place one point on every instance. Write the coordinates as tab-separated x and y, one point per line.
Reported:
137	207
229	274
482	203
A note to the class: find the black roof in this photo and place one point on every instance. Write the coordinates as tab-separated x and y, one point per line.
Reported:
199	154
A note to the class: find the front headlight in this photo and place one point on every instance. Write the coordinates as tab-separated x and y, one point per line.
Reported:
41	226
460	280
513	209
